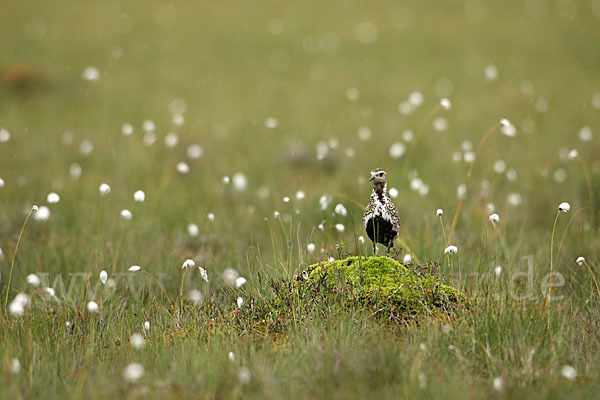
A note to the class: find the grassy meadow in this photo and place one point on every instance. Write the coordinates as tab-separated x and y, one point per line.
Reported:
246	124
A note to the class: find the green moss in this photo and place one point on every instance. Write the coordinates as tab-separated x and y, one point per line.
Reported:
385	281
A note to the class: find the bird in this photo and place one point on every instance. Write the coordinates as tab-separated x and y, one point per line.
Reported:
381	220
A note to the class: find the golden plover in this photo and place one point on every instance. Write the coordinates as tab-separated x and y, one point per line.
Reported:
381	220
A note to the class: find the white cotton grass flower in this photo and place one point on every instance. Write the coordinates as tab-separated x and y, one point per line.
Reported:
514	199
445	104
17	306
188	264
239	302
127	129
1	254
507	128
564	207
271	122
134	268
585	134
231	356
439	212
104	189
194	296
568	372
193	230
171	140
126	214
15	366
407	259
364	133
133	372
499	166
4	135
361	239
226	180
149	125
137	340
498	384
469	156
203	273
491	73
422	378
42	214
86	147
33	280
230	275
580	261
103	276
240	182
311	248
321	227
139	196
53	198
195	151
573	154
560	175
352	94
340	209
440	124
211	217
92	307
451	250
244	375
1	183
50	292
416	183
240	281
498	270
286	199
182	168
397	150
90	74
149	139
178	119
408	135
35	208
75	171
416	98
340	227
393	193
300	195
147	326
324	201
461	191
494	218
276	214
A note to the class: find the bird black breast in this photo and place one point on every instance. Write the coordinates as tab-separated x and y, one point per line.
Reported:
380	231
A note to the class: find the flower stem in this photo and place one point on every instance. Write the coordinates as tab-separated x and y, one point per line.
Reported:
12	263
593	277
551	260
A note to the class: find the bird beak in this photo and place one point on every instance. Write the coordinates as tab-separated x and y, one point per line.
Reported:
371	178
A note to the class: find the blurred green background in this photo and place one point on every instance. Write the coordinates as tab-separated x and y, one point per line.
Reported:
296	96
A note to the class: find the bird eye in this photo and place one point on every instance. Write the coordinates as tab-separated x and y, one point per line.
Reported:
381	174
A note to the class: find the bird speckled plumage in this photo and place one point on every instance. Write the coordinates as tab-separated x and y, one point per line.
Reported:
381	220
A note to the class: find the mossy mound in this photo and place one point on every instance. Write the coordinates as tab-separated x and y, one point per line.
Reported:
385	281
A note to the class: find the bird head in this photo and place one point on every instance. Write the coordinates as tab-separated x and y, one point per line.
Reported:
378	177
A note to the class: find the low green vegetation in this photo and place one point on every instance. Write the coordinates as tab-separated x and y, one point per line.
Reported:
236	139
